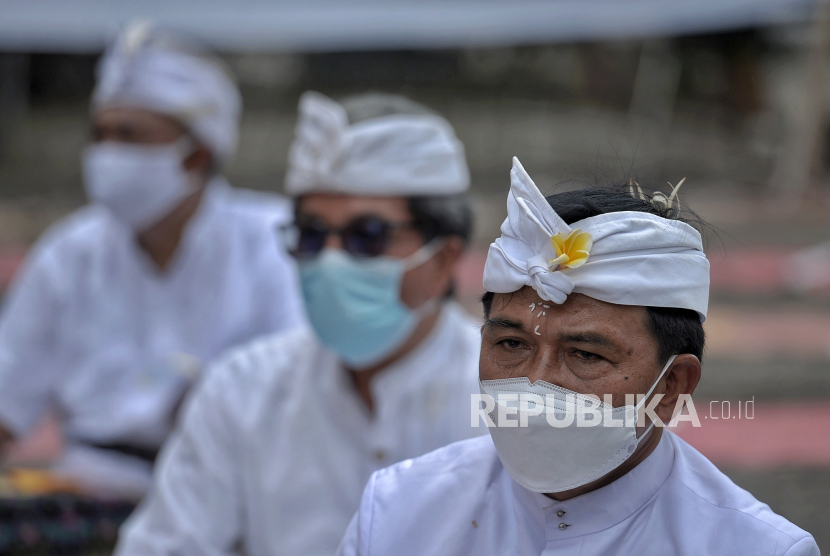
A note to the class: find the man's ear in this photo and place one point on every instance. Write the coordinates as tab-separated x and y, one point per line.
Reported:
446	259
200	160
682	377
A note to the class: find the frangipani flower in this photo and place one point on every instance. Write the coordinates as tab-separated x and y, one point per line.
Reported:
571	250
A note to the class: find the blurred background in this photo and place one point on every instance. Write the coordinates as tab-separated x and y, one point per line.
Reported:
734	95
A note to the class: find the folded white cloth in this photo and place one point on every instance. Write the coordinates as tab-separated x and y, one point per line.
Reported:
388	155
633	258
145	71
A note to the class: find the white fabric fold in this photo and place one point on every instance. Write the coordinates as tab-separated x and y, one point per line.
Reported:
636	258
387	155
144	71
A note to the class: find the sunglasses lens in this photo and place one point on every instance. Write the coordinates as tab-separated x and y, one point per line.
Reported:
366	237
310	238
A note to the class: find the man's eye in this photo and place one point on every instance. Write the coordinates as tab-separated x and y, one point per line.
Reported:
511	343
587	355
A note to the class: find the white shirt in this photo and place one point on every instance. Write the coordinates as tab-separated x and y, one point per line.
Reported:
460	500
92	327
276	445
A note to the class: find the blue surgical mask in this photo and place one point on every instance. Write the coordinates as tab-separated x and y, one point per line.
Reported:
354	304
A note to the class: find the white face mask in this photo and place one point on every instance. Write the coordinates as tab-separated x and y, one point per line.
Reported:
139	184
570	439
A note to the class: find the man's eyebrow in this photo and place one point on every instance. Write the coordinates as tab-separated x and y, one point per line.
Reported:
499	322
585	338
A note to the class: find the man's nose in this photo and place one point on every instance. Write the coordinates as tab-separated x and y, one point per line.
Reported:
547	366
333	241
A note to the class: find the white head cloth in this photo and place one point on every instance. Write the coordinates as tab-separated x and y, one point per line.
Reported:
389	155
636	258
144	69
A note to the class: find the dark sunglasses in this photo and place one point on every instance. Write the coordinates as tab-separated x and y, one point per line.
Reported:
366	236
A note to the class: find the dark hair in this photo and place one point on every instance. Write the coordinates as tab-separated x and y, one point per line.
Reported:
675	330
442	216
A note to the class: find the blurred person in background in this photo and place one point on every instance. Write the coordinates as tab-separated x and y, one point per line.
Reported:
274	448
623	287
120	303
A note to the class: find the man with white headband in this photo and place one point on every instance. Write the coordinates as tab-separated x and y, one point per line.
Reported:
120	303
276	446
593	313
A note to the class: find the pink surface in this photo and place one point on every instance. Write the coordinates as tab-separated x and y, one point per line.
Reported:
757	333
781	434
43	445
10	259
469	271
752	271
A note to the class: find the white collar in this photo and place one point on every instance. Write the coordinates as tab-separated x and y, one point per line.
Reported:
605	507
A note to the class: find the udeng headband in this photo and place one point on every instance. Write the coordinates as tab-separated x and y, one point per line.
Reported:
627	258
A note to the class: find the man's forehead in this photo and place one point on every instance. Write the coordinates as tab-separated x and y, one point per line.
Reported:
129	115
518	300
577	309
335	207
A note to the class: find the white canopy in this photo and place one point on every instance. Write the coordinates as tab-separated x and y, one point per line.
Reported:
325	25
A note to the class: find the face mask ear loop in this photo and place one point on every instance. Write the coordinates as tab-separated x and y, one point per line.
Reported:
653	386
423	254
418	258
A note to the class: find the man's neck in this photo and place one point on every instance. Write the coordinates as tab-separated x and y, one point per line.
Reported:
161	241
363	378
642	452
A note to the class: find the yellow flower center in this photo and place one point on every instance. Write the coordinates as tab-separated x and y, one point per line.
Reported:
571	250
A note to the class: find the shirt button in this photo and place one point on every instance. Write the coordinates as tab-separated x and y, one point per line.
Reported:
563	526
560	513
380	456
